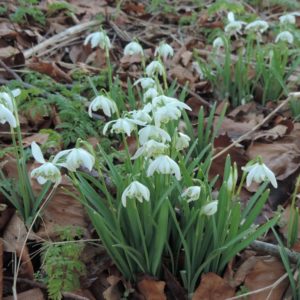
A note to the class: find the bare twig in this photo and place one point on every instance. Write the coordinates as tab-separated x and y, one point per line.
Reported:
10	71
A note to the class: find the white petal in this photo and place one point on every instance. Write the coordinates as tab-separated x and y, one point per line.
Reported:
37	153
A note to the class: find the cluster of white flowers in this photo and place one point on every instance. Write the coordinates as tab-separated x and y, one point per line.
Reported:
7	107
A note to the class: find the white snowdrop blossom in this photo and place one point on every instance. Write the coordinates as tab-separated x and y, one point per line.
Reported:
257	26
155	68
141	115
150	94
122	125
198	69
151	148
258	173
287	19
163	100
182	141
75	158
165	114
96	39
163	164
233	27
210	209
151	132
135	190
164	50
6	116
108	106
47	171
7	99
133	48
192	193
285	36
218	43
146	82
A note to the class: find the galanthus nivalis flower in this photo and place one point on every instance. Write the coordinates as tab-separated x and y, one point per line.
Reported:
155	68
285	36
233	27
165	114
140	115
150	149
163	100
218	43
164	50
163	164
122	125
47	171
287	19
6	116
133	48
75	158
182	141
259	172
135	190
151	132
101	102
192	193
96	39
210	208
145	82
257	26
7	99
150	94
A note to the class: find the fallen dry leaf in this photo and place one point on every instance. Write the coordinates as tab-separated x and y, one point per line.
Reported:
112	292
182	75
152	289
35	294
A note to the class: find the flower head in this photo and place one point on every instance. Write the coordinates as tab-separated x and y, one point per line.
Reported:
141	115
145	82
101	102
285	36
163	100
287	19
233	27
150	94
6	116
164	50
122	125
135	190
182	141
259	172
257	26
150	149
133	48
155	68
151	132
192	193
165	114
163	164
218	43
7	98
99	38
211	208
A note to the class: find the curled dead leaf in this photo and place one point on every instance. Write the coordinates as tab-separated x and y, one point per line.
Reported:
152	289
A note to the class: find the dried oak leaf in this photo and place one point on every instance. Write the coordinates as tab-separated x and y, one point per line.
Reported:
213	287
182	75
152	289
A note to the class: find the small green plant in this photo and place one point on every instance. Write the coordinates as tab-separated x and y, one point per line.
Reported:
28	9
58	6
61	262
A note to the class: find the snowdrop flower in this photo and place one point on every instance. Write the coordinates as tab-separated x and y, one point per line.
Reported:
141	115
192	193
198	69
163	164
164	50
99	38
218	43
257	26
154	68
165	114
150	94
133	48
150	132
285	36
47	171
182	141
259	172
233	26
287	19
135	190
146	82
7	99
6	116
210	208
122	125
75	158
163	100
150	149
101	102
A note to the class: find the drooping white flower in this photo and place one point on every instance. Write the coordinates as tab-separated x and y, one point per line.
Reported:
163	100
7	99
151	148
133	48
163	164
74	158
140	115
259	172
155	68
192	193
122	125
151	132
285	36
233	27
230	17
146	82
182	141
6	116
287	19
165	114
218	43
257	26
150	94
211	208
164	50
101	102
135	190
96	39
